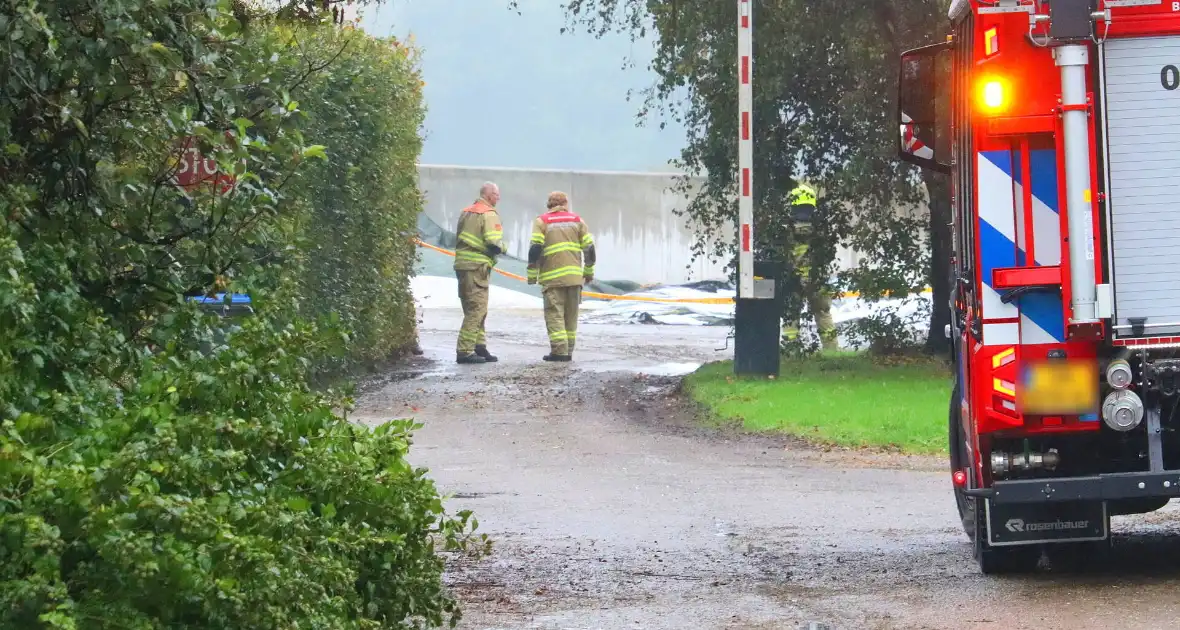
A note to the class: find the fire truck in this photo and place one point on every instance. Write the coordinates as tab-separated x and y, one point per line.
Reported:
1057	124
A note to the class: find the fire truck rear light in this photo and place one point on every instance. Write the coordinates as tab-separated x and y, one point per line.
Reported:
991	41
993	95
1004	387
1004	358
959	478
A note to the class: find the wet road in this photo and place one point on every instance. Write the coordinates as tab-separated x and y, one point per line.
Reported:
611	510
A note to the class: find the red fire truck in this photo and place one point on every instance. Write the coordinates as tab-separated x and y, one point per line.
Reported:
1057	123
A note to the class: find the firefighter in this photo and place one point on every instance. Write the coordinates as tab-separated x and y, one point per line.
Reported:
561	259
808	222
480	241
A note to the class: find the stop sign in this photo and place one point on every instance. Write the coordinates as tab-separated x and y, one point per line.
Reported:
194	169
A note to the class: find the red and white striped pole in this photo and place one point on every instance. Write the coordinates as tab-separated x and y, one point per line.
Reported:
745	150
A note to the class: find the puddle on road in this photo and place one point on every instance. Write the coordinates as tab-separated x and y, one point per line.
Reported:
663	369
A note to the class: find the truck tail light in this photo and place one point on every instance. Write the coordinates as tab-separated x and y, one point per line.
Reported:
991	42
1004	387
994	95
1004	358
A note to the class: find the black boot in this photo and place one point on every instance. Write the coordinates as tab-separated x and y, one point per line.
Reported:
482	351
561	358
469	359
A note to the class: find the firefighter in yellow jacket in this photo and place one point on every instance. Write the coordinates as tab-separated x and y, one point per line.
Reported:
804	209
561	259
480	241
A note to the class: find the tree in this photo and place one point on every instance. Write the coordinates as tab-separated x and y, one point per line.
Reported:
824	99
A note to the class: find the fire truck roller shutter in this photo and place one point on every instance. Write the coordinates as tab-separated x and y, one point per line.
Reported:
1142	111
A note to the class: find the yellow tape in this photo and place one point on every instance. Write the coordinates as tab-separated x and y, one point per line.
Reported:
629	298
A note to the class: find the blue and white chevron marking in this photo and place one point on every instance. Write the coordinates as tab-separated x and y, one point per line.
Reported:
1042	315
1001	201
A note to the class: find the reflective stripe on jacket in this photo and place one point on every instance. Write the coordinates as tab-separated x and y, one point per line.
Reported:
561	249
480	236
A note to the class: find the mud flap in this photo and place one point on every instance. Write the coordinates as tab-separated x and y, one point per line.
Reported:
1010	524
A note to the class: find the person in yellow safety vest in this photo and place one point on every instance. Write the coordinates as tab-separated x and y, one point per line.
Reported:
480	241
561	259
804	209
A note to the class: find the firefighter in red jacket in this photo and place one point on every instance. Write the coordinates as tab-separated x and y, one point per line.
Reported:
561	259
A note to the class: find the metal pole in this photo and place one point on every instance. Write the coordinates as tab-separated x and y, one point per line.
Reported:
745	150
1073	59
757	315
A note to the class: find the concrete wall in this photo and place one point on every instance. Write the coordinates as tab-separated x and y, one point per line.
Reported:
631	215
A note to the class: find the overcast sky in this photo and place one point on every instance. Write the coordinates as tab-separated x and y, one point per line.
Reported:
509	90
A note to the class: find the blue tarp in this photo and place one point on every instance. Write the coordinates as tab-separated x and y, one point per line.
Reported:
235	298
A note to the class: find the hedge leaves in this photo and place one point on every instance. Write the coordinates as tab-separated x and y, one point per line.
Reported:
158	468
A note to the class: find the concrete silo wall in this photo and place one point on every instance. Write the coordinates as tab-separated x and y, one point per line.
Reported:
632	216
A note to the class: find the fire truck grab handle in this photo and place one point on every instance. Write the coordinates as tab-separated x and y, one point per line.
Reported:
1009	296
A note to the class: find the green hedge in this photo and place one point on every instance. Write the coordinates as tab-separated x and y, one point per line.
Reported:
363	203
146	481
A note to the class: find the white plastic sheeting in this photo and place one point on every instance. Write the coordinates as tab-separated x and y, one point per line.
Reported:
693	314
669	313
436	292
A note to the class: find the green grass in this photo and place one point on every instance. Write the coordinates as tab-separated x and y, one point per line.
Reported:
844	399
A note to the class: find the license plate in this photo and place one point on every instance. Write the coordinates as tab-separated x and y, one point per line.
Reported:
1062	387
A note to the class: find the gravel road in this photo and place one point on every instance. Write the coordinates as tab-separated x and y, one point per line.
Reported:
610	509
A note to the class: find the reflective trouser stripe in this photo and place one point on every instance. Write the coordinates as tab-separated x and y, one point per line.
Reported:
471	336
820	306
473	295
561	317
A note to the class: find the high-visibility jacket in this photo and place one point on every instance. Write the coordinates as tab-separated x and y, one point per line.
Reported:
481	237
802	195
561	249
803	206
803	203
